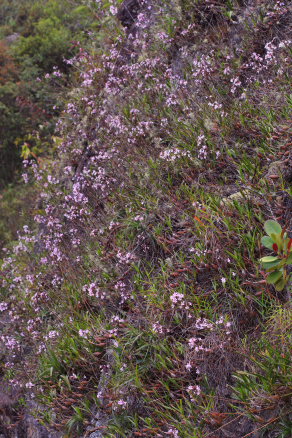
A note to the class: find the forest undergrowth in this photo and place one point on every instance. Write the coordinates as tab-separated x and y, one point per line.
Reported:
135	304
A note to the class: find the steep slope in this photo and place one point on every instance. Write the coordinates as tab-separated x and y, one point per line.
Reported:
137	305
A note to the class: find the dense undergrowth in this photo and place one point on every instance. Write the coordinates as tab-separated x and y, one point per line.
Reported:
36	39
137	296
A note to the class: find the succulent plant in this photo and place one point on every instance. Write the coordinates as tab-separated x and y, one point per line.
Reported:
276	265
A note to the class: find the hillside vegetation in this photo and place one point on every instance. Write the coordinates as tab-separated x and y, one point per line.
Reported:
133	302
36	38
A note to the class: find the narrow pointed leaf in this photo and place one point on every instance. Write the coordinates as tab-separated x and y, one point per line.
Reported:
285	244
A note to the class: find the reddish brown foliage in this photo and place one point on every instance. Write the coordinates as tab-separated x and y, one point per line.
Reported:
8	69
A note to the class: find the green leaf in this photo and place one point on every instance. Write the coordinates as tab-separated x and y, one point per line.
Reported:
278	240
269	259
267	242
280	285
272	227
270	266
285	243
274	277
289	259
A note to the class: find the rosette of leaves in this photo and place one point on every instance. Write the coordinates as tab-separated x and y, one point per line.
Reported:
278	241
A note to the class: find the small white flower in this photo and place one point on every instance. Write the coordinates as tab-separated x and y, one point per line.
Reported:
84	333
113	10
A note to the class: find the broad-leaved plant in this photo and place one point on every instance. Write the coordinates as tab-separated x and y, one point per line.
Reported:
278	241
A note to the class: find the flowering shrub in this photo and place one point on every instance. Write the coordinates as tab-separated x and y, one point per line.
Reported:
134	292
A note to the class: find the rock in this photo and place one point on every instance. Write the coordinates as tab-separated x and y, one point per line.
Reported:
96	435
6	401
100	419
242	196
279	169
28	427
31	428
237	196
